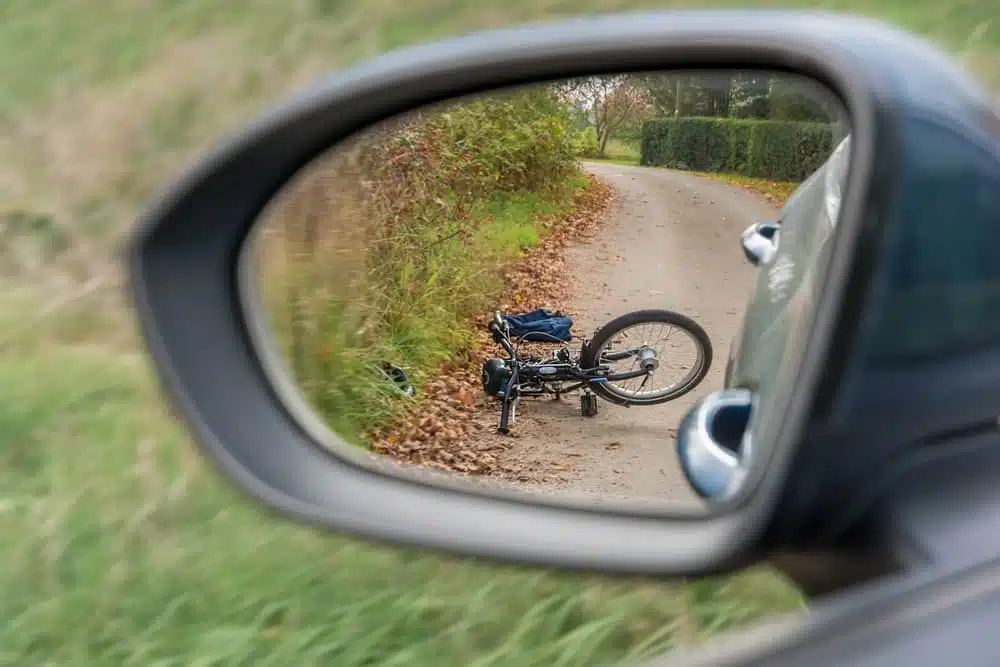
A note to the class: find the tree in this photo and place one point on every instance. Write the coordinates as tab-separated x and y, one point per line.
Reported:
701	94
662	92
731	94
751	97
610	103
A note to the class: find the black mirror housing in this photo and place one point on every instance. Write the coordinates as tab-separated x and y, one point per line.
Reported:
184	278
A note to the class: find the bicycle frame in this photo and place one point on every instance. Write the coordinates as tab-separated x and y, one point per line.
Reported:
535	376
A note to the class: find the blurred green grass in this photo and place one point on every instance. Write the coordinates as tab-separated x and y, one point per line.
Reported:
121	549
119	546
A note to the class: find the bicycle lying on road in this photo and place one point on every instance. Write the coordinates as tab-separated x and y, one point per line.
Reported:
563	371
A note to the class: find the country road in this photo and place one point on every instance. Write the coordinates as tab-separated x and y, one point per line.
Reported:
672	242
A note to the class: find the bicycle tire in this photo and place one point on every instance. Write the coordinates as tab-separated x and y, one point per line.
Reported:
651	316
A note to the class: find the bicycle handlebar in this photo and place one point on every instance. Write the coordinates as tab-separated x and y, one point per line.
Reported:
499	330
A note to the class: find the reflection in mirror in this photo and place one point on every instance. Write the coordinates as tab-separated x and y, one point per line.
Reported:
526	287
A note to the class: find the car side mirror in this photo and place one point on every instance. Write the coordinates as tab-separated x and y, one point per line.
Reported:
193	286
760	242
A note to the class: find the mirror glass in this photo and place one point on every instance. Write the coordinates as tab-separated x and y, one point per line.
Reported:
531	288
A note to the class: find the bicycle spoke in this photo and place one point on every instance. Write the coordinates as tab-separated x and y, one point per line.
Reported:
678	354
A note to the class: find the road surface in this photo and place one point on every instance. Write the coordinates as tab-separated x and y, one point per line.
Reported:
672	242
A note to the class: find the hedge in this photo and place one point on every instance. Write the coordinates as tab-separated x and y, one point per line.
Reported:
776	150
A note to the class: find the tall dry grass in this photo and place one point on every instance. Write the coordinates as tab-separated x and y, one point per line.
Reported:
382	249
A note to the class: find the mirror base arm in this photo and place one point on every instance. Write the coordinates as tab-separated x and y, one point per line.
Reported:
823	572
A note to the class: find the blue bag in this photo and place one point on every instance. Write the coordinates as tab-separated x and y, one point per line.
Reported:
540	325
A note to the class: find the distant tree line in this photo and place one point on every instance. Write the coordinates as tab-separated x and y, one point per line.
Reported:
616	106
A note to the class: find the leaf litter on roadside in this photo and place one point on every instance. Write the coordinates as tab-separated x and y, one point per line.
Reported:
446	428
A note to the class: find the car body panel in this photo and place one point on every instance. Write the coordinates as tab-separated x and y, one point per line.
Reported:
768	318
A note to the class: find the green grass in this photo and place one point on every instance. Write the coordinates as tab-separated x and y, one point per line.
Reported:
120	547
512	225
622	152
618	152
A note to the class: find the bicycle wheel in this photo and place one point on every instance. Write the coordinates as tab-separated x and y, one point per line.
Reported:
640	329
